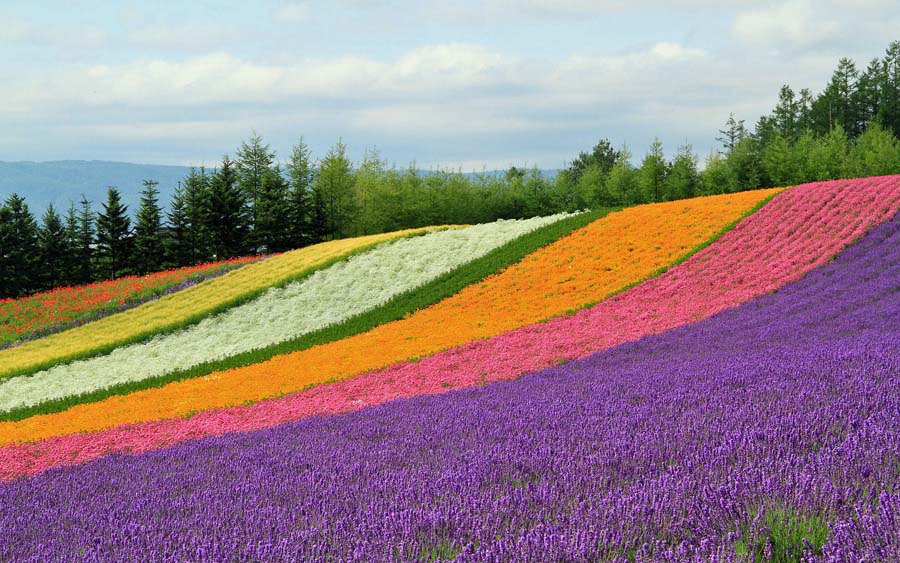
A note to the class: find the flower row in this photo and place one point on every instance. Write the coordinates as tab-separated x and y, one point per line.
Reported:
765	432
329	296
588	265
178	309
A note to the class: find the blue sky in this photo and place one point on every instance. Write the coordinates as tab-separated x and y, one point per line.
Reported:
457	84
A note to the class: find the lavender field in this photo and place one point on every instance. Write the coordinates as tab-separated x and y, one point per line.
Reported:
769	432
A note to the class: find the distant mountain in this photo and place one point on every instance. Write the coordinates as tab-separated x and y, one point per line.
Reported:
63	181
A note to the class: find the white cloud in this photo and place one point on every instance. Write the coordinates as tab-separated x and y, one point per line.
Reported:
793	23
676	52
292	12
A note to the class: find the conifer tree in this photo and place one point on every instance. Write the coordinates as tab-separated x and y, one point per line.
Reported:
20	254
300	172
178	242
272	229
318	223
85	244
653	173
72	265
148	252
334	182
227	214
254	158
113	235
196	199
52	249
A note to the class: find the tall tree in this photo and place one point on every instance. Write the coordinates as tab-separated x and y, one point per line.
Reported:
683	179
20	253
334	182
890	89
178	241
603	156
53	249
733	132
653	172
300	172
868	95
196	198
837	104
272	229
874	153
228	213
786	115
148	238
85	246
113	235
254	158
72	264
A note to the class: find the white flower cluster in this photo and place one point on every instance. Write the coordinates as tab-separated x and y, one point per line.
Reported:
327	297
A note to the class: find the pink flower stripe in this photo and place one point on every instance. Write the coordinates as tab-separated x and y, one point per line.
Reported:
800	229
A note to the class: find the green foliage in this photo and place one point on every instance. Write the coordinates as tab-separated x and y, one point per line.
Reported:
52	250
875	153
113	230
784	537
227	214
148	240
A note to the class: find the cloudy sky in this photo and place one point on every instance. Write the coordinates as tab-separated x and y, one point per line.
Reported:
460	83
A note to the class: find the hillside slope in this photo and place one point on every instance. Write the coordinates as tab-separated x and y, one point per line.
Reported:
768	429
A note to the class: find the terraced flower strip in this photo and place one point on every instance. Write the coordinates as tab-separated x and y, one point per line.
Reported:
608	255
763	433
328	296
53	311
183	308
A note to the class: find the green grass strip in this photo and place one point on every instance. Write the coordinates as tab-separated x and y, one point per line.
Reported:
398	307
192	320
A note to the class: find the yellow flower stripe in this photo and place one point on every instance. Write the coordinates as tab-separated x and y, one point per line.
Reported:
183	307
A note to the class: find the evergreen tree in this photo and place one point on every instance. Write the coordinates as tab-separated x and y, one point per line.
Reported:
300	172
733	132
622	184
148	239
653	173
837	104
889	112
745	165
196	199
868	95
828	158
603	156
178	241
273	213
780	162
52	249
113	235
7	244
787	114
21	250
72	264
334	182
717	176
683	179
228	213
318	224
253	160
85	244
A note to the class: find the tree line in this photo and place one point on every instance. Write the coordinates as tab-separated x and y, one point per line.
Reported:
256	203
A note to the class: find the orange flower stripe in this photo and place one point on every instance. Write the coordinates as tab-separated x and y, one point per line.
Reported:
577	270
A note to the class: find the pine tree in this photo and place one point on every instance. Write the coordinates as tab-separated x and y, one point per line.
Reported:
273	213
196	199
318	224
228	213
733	132
52	249
787	114
253	159
653	173
20	254
889	112
85	244
334	182
7	244
837	104
72	265
868	95
300	172
683	180
113	235
148	252
178	239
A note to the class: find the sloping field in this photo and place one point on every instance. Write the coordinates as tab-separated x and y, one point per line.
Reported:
767	430
52	311
329	296
590	264
182	308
